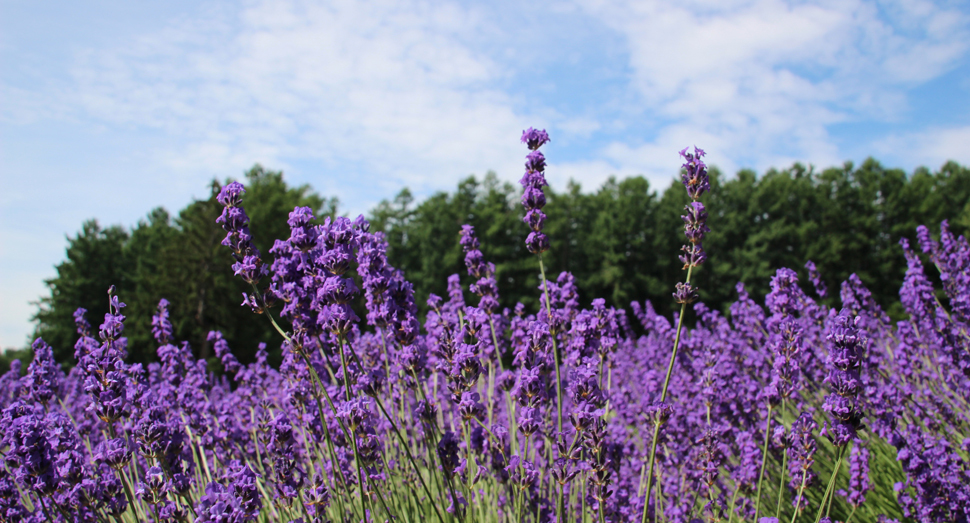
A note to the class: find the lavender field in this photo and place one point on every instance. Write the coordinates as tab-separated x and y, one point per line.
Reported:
787	410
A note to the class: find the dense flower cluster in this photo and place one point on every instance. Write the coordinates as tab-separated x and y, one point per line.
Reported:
485	413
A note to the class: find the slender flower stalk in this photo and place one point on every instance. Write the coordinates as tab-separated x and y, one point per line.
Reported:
533	199
764	462
696	180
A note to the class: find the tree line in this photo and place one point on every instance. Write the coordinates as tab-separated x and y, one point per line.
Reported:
620	241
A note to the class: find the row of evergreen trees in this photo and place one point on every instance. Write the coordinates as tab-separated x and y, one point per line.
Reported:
621	242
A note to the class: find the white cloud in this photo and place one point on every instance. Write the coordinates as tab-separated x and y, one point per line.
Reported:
392	89
928	148
760	81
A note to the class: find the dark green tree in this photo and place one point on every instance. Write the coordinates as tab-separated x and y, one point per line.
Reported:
180	259
96	259
622	241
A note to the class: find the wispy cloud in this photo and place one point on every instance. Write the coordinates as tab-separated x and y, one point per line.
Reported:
928	147
761	81
395	91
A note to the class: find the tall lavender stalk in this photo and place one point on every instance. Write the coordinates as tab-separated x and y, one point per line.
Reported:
533	199
696	181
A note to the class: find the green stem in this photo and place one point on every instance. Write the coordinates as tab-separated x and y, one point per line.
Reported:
764	461
852	513
663	398
734	498
555	348
830	490
784	469
353	432
131	498
414	465
318	386
798	498
43	506
781	482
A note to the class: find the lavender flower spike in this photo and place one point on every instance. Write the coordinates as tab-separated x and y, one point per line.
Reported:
696	181
533	199
845	359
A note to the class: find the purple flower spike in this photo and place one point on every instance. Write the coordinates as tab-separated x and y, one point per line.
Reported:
234	220
858	476
696	181
486	287
801	454
161	326
817	282
694	222
113	452
40	384
845	358
448	454
533	198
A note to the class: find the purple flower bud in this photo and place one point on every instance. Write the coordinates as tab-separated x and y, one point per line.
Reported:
372	382
535	161
470	407
506	380
41	382
152	489
537	242
231	195
113	452
693	256
535	219
816	280
801	453
426	411
534	138
83	327
448	454
533	198
686	293
695	222
660	412
530	421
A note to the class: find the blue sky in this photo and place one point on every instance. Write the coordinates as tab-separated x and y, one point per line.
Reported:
110	109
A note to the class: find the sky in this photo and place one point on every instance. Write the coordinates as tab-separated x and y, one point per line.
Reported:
112	108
